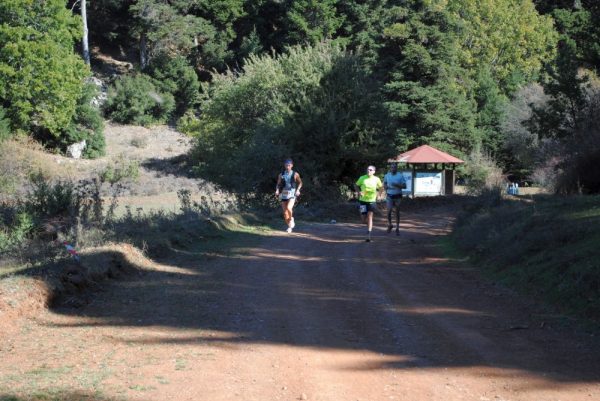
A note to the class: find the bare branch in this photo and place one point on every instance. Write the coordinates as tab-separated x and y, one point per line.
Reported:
73	6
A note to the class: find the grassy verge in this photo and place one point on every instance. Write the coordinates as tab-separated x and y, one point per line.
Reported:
126	245
545	246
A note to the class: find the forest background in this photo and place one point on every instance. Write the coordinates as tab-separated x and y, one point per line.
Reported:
334	84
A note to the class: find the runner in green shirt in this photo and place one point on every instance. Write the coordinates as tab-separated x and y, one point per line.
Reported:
367	187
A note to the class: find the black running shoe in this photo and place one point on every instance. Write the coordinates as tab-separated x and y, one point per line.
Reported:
368	240
389	230
397	231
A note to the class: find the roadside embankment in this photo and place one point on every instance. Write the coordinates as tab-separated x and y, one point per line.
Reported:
545	246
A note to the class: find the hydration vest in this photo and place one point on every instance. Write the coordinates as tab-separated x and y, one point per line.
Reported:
284	182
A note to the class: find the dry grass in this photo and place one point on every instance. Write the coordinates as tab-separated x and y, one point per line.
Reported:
159	151
24	291
21	157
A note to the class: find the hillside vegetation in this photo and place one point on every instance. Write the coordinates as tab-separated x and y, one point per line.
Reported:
335	84
547	246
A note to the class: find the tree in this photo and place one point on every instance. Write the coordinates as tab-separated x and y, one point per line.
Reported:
177	77
41	78
581	27
311	21
566	86
362	26
507	37
426	89
491	107
316	103
84	39
163	28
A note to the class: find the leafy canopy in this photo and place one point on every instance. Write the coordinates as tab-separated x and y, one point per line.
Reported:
316	104
41	79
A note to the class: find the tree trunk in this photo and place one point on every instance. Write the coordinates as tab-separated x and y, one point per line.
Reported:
143	51
84	40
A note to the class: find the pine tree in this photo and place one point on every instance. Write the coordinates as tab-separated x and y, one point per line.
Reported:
426	89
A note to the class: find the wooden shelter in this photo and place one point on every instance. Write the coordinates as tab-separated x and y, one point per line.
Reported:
429	171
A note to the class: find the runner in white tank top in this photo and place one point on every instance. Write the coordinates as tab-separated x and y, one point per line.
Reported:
287	190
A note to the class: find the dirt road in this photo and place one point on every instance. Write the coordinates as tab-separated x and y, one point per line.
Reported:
316	315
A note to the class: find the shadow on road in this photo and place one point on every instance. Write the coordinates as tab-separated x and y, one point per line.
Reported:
324	287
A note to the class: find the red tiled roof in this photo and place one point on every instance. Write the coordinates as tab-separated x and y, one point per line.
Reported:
425	154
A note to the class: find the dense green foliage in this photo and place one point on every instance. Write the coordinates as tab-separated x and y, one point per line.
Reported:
87	124
177	77
445	72
41	78
426	88
316	104
508	37
135	100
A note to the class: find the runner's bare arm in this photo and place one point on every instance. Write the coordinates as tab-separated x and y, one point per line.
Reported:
278	184
299	182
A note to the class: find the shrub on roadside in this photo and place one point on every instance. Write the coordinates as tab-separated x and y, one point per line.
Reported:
14	230
53	209
48	199
483	174
136	100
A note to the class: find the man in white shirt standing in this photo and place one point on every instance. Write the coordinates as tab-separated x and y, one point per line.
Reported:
394	183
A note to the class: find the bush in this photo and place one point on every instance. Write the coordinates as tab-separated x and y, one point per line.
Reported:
580	170
189	124
135	100
316	104
483	175
547	246
4	125
87	124
177	77
122	170
48	199
14	233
